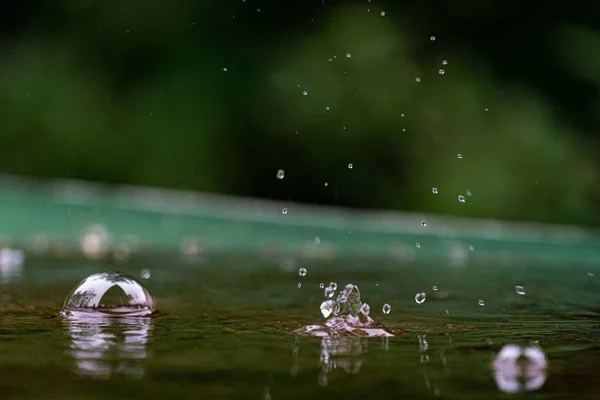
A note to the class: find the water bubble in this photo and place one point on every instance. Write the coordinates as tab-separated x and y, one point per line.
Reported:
348	55
461	198
350	166
321	285
299	285
305	93
280	174
417	79
225	69
434	190
145	273
481	303
418	245
326	184
284	210
302	272
486	109
441	72
365	309
327	308
333	285
520	290
383	13
435	288
420	297
423	223
327	108
432	38
386	308
459	156
329	292
110	293
445	62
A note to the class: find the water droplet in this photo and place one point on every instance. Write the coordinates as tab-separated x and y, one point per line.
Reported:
284	210
145	273
435	288
350	166
520	290
481	303
441	72
434	190
591	274
471	248
418	245
418	80
333	285
326	184
432	38
302	272
327	308
386	308
321	285
461	198
348	55
459	156
445	62
383	13
420	297
317	240
329	292
305	93
402	115
486	109
423	223
327	108
299	285
112	293
365	309
469	193
94	242
280	174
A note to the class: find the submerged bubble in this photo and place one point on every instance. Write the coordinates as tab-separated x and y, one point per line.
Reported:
386	308
280	174
420	297
461	198
112	294
481	303
434	190
520	290
327	308
302	272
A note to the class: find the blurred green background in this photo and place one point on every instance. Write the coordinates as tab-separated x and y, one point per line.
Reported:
219	95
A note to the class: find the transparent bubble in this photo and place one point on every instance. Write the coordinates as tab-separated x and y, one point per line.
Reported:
145	273
329	292
441	72
305	93
333	285
321	285
445	62
461	198
418	245
417	79
327	308
365	309
520	290
350	166
434	190
420	297
110	294
459	156
481	303
423	223
386	308
280	174
434	288
284	210
348	55
302	272
432	38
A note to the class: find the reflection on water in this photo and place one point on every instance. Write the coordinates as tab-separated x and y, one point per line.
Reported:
104	346
341	352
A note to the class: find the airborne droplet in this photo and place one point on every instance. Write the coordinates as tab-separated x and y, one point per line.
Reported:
386	308
420	297
280	174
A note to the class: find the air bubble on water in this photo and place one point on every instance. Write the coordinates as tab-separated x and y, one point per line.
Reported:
333	285
420	297
365	309
417	79
520	290
145	273
432	38
383	13
280	174
305	93
348	55
434	190
418	245
441	72
321	285
423	223
459	156
329	292
435	288
327	308
445	62
284	210
386	308
302	272
350	166
110	293
481	303
461	198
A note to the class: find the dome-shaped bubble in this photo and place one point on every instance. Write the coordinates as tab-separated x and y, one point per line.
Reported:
110	293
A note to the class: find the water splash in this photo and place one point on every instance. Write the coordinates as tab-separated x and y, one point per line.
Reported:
348	317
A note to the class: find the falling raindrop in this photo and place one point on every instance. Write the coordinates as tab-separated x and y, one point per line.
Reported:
420	297
435	288
434	190
386	308
423	223
418	245
441	72
520	290
284	210
432	38
327	308
280	174
481	303
145	273
302	272
350	166
461	198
